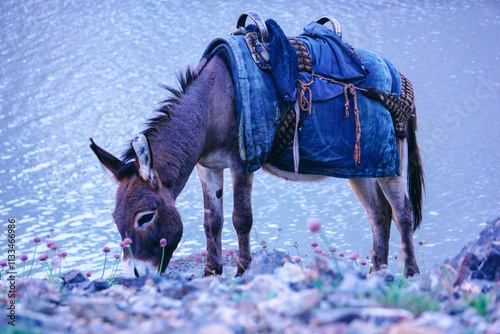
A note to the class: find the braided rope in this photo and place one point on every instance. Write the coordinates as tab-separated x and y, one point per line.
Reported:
303	89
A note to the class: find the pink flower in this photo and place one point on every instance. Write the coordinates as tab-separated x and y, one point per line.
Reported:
230	251
341	254
314	225
163	243
317	250
3	264
24	258
204	252
37	240
362	262
127	242
314	244
353	256
106	249
52	245
333	249
297	259
88	274
116	256
62	254
43	257
121	244
325	254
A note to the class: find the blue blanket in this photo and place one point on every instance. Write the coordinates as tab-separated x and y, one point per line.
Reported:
327	139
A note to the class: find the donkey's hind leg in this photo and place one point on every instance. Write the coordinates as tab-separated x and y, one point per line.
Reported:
394	190
379	214
242	216
212	181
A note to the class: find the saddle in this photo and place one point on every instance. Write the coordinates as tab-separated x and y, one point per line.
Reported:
400	107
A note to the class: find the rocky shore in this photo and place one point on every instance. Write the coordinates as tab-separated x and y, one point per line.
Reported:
276	295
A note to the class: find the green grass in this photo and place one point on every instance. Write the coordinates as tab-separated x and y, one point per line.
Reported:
395	296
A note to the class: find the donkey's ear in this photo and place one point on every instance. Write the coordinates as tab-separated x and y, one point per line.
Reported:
112	163
143	156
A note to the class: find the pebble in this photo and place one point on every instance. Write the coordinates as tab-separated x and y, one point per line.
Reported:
273	296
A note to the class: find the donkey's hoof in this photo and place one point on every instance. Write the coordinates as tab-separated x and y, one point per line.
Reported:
212	272
240	272
411	271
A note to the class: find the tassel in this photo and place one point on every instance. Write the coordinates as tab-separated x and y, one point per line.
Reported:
296	157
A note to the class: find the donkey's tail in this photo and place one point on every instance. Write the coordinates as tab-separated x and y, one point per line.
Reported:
416	184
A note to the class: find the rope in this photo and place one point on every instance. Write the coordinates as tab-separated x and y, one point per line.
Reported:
349	89
303	89
303	103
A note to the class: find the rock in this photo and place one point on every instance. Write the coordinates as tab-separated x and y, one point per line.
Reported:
274	296
493	328
327	316
73	277
381	315
174	289
215	329
489	268
299	303
49	323
267	285
203	284
93	308
142	305
476	255
442	321
290	273
138	282
474	321
97	285
264	262
409	327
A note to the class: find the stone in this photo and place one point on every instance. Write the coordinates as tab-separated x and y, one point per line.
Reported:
215	329
275	296
479	250
489	269
73	277
493	328
438	320
136	282
381	315
267	285
174	289
142	305
327	316
290	272
409	327
264	262
97	285
36	321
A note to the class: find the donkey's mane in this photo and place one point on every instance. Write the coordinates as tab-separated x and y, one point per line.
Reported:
165	111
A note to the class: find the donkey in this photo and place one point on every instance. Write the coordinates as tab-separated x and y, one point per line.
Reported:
197	126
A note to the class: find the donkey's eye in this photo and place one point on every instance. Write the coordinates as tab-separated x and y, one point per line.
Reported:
144	218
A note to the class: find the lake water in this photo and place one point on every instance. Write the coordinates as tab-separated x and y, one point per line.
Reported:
74	70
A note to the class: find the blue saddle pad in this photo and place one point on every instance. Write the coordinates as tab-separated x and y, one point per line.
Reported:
327	139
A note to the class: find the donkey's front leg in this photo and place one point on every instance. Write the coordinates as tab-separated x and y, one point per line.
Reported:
212	182
242	216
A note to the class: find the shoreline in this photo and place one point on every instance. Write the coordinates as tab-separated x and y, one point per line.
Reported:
275	295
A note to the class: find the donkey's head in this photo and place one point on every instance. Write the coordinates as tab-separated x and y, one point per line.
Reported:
144	211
